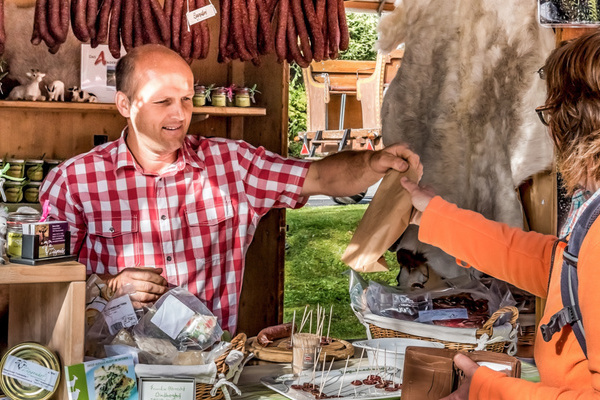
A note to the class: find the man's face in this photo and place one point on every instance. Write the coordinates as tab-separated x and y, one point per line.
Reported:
161	103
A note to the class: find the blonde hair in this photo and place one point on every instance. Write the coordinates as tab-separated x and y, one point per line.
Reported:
573	82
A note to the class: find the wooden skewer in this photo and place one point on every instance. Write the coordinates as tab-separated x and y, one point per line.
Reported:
329	325
316	359
327	377
362	353
303	318
323	372
293	322
343	375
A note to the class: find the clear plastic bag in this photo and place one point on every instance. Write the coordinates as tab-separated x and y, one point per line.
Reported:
182	318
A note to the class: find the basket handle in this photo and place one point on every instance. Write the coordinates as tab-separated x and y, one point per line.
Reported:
500	312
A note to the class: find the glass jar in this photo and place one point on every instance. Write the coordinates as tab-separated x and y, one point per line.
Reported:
31	192
219	98
49	164
14	231
17	168
199	98
34	170
13	191
242	97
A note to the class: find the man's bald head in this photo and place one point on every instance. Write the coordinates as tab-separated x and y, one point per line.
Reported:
144	56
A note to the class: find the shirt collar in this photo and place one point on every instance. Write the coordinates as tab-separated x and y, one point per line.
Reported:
186	155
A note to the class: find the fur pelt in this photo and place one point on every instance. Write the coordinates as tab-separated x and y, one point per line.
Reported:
22	56
464	100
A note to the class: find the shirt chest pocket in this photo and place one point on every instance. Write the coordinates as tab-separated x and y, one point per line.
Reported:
210	228
116	239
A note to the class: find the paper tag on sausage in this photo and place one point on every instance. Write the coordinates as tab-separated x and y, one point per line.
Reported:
200	14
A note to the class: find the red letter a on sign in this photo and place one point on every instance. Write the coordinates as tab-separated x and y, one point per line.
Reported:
100	59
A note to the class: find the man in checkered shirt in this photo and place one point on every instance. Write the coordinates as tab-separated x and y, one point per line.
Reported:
157	208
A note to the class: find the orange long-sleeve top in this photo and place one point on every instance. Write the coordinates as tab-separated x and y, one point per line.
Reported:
524	259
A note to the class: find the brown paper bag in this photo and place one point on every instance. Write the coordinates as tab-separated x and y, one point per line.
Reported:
386	218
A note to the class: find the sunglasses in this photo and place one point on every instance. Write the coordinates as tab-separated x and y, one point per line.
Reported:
543	114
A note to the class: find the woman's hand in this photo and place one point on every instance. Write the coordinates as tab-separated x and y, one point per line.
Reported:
146	283
469	367
420	197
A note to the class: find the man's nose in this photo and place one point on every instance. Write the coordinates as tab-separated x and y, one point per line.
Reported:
178	110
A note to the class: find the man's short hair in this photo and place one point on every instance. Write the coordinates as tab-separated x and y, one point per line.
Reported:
124	72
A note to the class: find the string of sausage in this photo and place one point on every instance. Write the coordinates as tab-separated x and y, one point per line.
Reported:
115	22
299	31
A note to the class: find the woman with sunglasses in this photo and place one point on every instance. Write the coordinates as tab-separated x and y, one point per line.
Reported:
526	259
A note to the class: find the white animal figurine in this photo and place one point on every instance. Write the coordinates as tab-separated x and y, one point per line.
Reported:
56	91
3	230
71	383
81	96
31	90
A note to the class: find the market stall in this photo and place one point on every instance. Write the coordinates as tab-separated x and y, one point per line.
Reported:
230	42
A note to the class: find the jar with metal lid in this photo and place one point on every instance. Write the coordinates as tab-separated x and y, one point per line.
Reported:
219	98
34	170
13	191
14	234
199	98
16	169
29	371
242	97
31	192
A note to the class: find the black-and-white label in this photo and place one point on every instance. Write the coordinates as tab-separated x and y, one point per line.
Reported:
119	314
200	14
30	373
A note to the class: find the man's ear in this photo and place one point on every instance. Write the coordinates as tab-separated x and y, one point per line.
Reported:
123	104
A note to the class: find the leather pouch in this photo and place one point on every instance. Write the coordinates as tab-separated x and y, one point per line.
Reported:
430	374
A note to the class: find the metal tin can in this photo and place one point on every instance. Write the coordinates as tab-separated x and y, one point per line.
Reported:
14	234
38	370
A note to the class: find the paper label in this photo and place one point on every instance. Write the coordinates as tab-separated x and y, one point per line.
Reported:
30	373
495	366
168	390
201	14
119	314
447	313
172	316
98	304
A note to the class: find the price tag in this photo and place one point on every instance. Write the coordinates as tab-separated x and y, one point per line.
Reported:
30	373
200	14
119	314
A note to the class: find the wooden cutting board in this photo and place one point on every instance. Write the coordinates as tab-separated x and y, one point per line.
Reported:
280	350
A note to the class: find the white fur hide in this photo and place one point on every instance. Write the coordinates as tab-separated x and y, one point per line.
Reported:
464	100
22	56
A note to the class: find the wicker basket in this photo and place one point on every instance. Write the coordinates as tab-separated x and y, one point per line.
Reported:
435	333
203	389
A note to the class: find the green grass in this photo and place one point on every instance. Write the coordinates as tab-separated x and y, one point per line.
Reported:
314	272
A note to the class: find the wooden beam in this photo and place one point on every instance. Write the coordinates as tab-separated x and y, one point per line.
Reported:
368	5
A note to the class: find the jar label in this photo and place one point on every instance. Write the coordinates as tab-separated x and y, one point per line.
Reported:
30	373
14	244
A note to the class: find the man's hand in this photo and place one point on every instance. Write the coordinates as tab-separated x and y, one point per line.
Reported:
350	172
469	367
397	156
147	282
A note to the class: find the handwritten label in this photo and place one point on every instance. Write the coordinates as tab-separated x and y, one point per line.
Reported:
168	390
200	14
30	373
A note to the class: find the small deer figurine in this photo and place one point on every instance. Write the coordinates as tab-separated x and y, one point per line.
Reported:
31	90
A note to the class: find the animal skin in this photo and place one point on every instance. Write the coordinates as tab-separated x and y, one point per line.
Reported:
464	100
22	56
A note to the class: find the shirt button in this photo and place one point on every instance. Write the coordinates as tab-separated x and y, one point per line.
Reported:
163	217
168	258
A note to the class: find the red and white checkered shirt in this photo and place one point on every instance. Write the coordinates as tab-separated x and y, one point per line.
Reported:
195	220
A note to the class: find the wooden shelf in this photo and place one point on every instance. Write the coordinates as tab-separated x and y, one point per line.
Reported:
58	106
60	272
